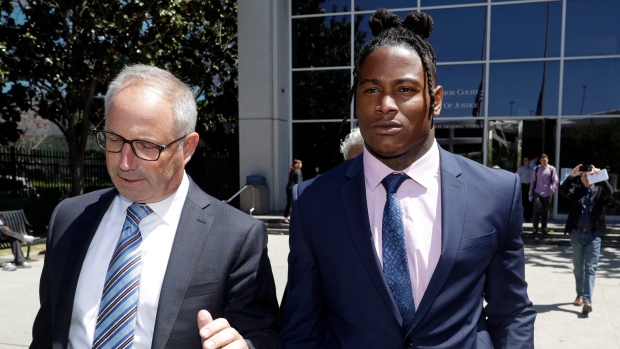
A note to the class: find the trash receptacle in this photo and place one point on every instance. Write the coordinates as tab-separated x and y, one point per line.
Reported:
256	196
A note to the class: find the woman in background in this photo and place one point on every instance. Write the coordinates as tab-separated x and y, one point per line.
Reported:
294	177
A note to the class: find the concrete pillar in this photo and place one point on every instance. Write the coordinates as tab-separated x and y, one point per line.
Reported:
264	125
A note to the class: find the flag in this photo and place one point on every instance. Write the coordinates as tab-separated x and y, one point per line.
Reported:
479	99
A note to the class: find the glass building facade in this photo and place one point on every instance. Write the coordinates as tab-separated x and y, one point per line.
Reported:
520	78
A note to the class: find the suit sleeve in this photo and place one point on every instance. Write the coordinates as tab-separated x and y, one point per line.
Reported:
304	322
510	315
42	327
607	190
253	304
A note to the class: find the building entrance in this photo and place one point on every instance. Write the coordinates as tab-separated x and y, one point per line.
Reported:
511	140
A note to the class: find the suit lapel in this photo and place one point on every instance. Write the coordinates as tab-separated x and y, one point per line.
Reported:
353	194
194	227
453	205
78	240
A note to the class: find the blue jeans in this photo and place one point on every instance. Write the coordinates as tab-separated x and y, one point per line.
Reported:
586	249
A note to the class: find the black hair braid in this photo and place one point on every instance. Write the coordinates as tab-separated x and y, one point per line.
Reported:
389	29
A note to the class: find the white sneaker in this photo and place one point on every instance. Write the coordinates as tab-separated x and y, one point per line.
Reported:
9	267
24	265
28	238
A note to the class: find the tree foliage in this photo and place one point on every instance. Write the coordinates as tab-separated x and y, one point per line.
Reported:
58	57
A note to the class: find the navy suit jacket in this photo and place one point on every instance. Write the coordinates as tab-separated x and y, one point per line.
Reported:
337	296
218	262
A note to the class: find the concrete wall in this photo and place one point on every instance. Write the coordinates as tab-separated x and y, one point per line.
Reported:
264	126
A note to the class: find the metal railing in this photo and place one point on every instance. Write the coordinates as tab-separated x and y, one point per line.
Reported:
239	193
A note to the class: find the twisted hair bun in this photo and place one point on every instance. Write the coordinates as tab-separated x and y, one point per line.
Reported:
382	20
418	23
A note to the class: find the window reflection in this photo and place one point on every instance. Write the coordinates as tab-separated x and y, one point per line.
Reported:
460	137
504	141
321	41
321	94
371	5
524	89
307	7
459	35
592	27
450	2
526	30
362	32
591	87
592	141
539	136
318	146
462	94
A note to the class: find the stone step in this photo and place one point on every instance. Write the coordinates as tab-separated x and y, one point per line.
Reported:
275	224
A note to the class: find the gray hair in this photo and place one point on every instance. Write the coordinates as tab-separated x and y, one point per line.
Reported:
351	141
181	96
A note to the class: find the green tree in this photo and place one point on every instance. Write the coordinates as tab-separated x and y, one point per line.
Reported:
58	57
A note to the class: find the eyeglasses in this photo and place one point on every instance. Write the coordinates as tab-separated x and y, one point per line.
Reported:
144	150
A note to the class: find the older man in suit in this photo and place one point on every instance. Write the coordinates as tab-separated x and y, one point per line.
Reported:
134	265
401	246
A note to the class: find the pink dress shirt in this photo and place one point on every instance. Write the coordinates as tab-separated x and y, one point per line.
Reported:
544	181
420	202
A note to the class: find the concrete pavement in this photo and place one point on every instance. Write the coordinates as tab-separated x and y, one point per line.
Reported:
559	324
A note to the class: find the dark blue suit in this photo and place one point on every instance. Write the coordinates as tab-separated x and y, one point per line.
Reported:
218	262
337	296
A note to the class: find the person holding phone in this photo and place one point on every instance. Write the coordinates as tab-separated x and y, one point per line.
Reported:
586	224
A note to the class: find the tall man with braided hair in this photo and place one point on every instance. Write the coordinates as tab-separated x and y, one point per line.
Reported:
402	245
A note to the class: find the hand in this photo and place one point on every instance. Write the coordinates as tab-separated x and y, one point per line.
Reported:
7	229
575	171
218	333
551	192
530	198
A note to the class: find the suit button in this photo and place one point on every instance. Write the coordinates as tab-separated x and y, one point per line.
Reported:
408	343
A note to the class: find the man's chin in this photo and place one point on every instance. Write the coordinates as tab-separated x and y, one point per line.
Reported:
131	191
385	153
133	195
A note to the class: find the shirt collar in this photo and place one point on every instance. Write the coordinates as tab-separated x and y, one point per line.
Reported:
423	171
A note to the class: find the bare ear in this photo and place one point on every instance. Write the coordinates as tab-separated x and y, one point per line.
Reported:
189	145
438	100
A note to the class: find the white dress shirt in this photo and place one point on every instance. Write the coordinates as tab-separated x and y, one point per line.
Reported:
420	202
158	231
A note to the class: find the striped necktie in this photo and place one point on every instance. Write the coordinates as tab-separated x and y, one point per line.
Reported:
395	266
119	300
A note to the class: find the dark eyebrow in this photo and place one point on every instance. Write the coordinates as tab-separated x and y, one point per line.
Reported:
397	81
368	81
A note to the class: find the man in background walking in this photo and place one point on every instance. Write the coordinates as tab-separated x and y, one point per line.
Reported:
543	184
